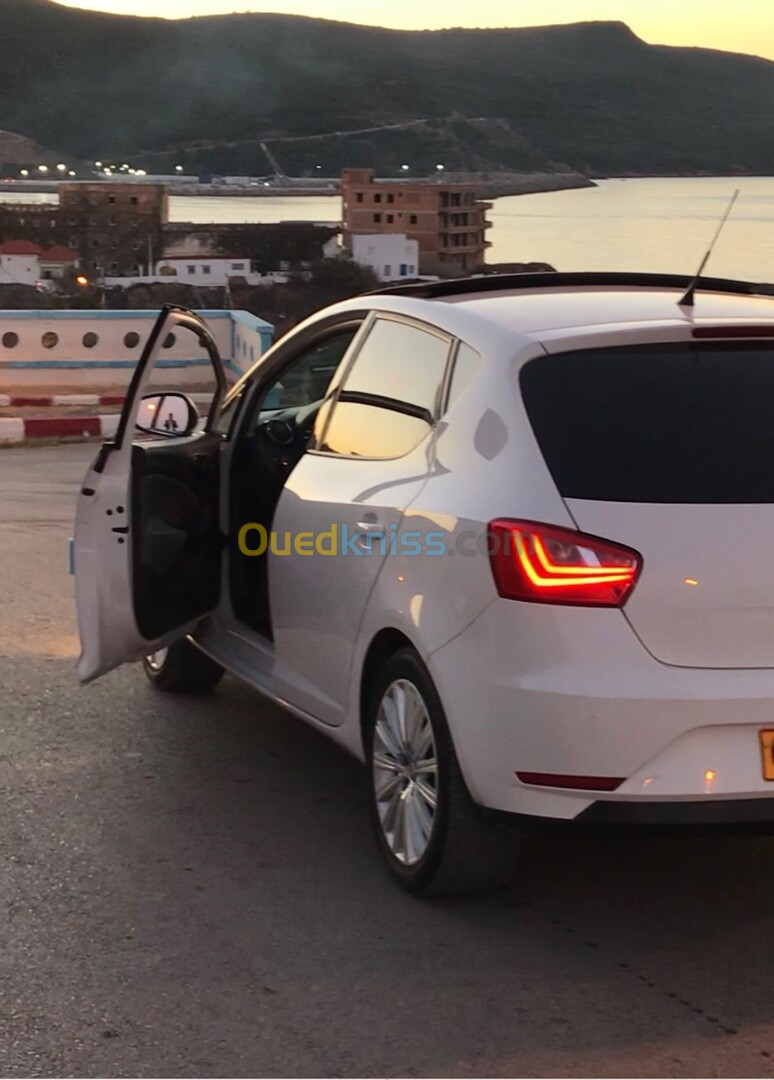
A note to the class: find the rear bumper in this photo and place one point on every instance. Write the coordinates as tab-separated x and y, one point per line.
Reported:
749	817
755	815
532	689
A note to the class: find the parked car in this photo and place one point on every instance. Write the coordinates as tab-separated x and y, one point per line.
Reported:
521	562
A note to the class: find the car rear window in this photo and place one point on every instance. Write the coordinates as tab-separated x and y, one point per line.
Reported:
664	424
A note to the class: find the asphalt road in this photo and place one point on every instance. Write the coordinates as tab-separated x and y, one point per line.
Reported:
188	887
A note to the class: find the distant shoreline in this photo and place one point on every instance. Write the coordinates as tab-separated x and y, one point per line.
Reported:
489	185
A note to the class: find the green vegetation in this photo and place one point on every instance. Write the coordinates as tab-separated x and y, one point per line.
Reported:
270	246
592	96
326	282
284	306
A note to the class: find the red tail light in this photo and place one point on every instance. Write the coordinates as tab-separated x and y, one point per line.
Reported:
549	565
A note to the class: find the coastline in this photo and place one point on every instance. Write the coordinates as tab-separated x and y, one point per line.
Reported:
490	186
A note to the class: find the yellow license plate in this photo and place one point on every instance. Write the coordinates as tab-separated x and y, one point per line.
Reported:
767	753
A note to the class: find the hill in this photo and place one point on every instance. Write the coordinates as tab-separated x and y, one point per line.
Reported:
18	150
592	95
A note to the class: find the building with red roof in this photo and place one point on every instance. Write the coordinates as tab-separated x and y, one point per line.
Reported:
56	260
23	262
20	247
59	254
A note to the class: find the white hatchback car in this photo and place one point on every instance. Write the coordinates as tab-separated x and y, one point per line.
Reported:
506	539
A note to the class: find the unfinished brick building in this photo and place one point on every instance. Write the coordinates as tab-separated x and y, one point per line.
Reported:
447	219
117	228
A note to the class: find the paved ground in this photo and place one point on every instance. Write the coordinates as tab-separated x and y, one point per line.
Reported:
189	887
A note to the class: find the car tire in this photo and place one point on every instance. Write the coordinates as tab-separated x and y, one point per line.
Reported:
181	668
432	851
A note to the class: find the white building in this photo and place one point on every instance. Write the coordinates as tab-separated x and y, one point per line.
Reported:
206	271
55	261
202	270
19	263
24	263
391	256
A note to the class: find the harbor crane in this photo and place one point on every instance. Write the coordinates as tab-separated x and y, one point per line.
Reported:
279	173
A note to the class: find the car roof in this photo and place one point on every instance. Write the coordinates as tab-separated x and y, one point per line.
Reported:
534	305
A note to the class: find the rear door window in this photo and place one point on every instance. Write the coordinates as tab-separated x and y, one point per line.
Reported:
390	398
689	423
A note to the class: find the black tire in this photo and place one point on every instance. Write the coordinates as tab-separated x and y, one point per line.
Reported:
184	670
467	851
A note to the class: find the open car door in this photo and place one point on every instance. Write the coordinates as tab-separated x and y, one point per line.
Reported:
148	545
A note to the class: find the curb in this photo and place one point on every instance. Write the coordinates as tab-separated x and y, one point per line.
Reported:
19	401
16	429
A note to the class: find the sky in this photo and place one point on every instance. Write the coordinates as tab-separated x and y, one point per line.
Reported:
742	26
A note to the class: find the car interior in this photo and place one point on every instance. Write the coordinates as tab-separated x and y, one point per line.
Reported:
274	435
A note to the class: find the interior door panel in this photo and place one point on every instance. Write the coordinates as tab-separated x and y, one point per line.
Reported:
147	545
177	540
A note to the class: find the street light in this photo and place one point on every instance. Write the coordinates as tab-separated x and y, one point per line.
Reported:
404	168
178	168
24	172
61	168
71	172
440	168
98	164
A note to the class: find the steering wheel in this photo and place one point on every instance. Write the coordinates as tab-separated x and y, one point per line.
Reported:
279	431
291	426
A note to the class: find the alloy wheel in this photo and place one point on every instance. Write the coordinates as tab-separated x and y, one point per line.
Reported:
405	771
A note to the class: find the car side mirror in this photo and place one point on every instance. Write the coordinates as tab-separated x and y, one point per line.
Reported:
166	414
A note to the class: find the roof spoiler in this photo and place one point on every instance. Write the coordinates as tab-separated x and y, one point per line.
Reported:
596	279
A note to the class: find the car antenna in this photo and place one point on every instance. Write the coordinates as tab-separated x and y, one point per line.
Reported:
687	300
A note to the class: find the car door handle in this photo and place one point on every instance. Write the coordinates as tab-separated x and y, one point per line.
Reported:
369	530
